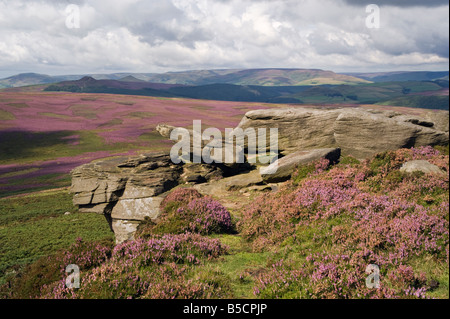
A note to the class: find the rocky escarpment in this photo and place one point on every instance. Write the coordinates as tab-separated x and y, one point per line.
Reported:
129	189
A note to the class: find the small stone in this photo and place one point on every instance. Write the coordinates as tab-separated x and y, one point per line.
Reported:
421	166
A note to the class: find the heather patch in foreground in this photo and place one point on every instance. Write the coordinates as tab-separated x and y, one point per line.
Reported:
332	224
186	210
159	267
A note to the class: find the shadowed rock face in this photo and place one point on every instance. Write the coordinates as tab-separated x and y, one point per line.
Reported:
357	132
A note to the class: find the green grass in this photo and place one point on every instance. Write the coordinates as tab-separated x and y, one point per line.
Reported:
382	92
29	147
19	172
112	122
150	137
24	208
238	262
85	111
125	103
6	116
57	116
35	184
242	264
436	271
35	225
26	147
443	149
142	115
18	105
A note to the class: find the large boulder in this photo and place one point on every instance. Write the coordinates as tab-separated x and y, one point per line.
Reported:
298	128
360	133
129	189
282	169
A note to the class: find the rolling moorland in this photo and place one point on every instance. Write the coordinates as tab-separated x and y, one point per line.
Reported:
411	89
312	239
269	77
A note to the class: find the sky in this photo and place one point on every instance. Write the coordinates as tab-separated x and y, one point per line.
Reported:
59	37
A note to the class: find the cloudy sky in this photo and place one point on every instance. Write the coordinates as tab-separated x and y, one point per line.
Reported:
172	35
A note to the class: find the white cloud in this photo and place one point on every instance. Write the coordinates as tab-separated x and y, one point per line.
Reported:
157	36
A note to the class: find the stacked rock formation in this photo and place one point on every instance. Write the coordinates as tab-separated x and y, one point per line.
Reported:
128	189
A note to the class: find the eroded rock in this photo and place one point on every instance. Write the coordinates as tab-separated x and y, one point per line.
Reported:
360	133
298	128
126	189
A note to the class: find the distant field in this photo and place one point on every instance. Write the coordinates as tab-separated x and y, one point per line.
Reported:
433	102
304	90
44	135
410	94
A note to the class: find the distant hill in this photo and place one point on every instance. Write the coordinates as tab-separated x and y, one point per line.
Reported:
131	78
402	76
392	93
260	77
220	91
257	77
25	79
90	85
420	101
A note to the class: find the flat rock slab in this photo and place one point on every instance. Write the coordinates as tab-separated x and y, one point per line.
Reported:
137	208
233	183
243	180
282	169
421	166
